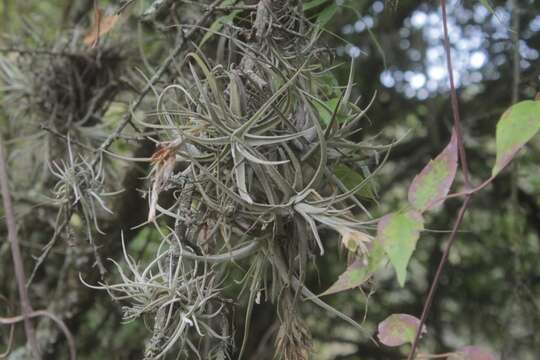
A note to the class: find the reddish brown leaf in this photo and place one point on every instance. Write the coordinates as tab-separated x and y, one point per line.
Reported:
398	329
432	184
101	25
359	271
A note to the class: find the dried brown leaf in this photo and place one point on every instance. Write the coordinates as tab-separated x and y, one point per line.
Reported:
101	25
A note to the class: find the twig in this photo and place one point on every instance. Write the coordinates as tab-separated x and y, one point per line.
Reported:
26	307
54	318
65	138
222	8
11	335
466	200
37	52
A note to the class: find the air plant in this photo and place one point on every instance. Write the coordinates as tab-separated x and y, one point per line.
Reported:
258	140
52	90
63	87
182	293
81	187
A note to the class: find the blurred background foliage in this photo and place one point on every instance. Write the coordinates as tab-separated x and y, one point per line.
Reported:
490	291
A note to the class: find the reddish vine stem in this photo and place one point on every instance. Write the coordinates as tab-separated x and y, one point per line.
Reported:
454	98
438	273
466	177
26	307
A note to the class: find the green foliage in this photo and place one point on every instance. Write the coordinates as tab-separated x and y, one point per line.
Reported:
359	271
398	233
516	127
327	109
432	184
351	178
398	329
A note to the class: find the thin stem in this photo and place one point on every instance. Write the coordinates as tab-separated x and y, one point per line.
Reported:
464	169
26	307
223	7
515	98
454	98
36	52
516	55
435	282
467	192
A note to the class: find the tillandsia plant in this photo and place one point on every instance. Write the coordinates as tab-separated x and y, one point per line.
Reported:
55	96
57	100
242	171
63	87
249	148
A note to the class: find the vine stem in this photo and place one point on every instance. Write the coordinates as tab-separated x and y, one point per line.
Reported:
26	307
438	273
464	168
454	98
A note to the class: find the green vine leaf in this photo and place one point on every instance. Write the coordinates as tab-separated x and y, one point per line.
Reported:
398	232
398	329
433	183
472	353
516	127
359	271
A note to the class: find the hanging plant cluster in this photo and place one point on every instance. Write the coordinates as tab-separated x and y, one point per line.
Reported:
248	149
